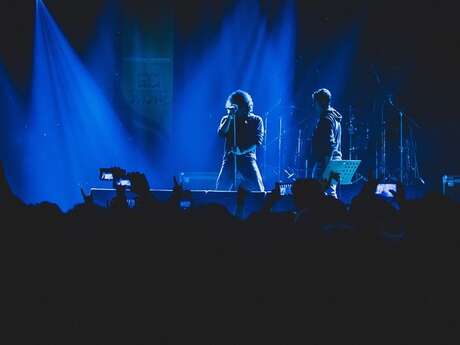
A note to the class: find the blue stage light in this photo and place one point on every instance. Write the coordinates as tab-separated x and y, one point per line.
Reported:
73	130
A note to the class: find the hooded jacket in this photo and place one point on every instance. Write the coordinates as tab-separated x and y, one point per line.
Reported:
327	137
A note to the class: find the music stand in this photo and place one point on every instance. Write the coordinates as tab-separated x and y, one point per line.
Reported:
345	168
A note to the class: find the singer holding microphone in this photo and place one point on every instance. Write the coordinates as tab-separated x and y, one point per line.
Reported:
243	132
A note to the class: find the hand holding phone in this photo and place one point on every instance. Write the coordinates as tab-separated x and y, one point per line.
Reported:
124	183
185	204
106	176
386	189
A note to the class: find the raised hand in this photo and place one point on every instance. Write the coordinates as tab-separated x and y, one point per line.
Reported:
177	192
118	172
400	193
87	198
370	186
178	188
139	183
272	198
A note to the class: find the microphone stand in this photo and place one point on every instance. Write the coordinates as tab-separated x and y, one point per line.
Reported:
402	116
401	137
280	134
401	148
350	133
264	169
381	169
266	132
234	153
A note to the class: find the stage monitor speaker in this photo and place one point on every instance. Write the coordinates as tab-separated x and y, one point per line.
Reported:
451	187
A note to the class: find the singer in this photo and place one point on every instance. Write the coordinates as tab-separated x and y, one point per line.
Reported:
243	132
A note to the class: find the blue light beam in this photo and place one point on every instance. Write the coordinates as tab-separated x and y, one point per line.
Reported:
73	130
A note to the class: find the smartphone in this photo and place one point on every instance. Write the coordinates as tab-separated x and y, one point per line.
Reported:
185	204
385	189
105	176
124	183
285	189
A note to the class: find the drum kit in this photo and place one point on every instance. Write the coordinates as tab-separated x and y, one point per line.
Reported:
287	146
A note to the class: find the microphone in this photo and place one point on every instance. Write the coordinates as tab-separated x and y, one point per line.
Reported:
232	107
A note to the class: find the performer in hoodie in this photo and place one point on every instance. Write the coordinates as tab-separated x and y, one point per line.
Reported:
327	137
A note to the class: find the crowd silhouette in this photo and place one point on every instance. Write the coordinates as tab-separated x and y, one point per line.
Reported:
371	272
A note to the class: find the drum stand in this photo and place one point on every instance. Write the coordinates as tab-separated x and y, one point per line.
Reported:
352	149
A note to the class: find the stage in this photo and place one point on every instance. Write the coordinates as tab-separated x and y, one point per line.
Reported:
254	200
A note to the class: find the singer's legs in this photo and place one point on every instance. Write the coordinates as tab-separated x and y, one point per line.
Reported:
225	178
252	179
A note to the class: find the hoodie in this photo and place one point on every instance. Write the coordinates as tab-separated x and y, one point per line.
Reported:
327	137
